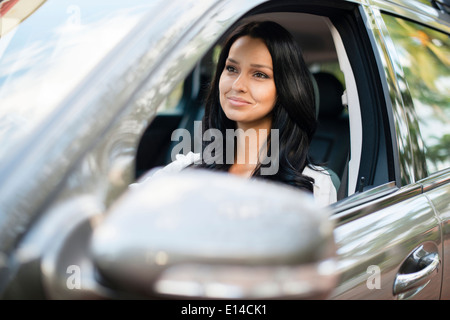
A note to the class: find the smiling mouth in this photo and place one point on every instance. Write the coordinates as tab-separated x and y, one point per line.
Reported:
238	102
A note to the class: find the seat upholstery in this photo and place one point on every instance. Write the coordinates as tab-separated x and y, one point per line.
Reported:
330	144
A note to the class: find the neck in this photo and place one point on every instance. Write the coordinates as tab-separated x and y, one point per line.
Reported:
251	139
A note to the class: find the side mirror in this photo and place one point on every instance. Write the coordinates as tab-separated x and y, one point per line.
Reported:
202	234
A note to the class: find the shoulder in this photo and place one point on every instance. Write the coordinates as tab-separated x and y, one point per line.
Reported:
181	162
325	189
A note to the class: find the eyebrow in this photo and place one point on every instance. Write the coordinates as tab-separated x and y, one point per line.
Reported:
254	65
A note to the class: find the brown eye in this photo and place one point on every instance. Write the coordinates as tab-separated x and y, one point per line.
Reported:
261	75
230	69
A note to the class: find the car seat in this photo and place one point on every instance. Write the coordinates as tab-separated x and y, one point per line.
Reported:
330	144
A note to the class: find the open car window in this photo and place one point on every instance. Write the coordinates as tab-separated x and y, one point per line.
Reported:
352	138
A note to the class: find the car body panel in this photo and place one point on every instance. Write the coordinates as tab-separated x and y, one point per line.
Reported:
437	189
405	220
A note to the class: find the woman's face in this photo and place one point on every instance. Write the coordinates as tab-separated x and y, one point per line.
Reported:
247	86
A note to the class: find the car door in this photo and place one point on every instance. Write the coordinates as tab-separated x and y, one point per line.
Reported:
388	236
390	240
437	189
428	103
380	244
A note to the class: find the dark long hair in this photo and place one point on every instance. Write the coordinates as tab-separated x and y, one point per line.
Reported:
294	113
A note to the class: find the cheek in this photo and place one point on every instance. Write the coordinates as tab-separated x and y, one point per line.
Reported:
223	84
222	90
267	95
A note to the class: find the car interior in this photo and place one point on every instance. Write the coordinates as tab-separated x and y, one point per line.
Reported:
335	73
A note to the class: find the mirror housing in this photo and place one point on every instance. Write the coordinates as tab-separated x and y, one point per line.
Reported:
204	234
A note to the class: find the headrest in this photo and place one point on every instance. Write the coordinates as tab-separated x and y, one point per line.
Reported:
330	94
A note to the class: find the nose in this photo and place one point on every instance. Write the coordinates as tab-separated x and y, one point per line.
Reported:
240	84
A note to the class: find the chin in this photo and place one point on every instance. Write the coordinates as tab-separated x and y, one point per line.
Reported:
237	116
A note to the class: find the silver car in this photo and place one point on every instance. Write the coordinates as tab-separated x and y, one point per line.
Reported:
91	93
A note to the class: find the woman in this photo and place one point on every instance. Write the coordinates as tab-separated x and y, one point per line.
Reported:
263	85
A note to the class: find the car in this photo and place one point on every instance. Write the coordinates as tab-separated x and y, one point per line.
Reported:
92	93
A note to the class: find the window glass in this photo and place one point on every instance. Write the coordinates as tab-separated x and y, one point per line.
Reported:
424	54
172	103
47	48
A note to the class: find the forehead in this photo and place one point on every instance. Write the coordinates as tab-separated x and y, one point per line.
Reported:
248	48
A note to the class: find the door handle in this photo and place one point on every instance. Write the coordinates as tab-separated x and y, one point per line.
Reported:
428	265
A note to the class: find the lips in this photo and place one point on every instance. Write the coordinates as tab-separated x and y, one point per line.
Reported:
238	102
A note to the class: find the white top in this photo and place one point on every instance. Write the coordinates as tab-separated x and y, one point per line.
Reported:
323	190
